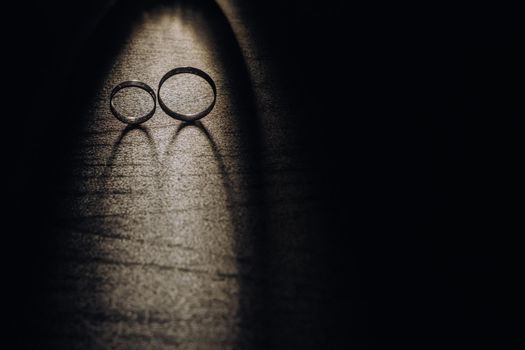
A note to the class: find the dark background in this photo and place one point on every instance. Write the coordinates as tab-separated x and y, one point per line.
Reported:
412	116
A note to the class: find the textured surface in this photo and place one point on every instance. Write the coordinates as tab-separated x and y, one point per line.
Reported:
312	209
158	224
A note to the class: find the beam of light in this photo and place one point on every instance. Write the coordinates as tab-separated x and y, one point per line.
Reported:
153	211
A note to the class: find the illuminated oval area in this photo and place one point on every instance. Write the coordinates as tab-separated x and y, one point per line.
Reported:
157	217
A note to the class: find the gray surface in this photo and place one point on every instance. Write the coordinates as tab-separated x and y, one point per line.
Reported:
167	229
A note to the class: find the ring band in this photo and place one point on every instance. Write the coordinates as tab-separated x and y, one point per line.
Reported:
128	84
187	117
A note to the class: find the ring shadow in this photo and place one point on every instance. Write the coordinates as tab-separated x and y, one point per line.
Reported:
123	134
216	154
126	132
